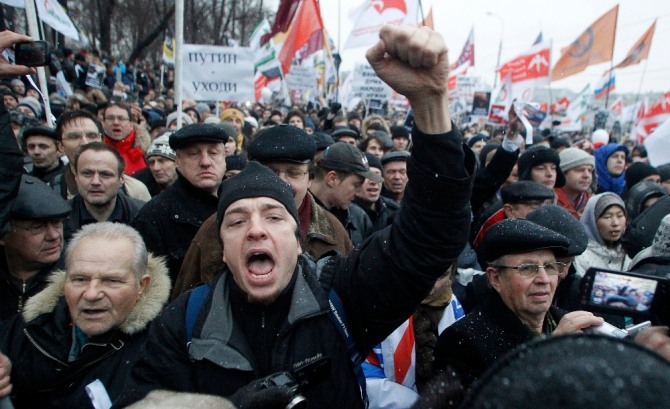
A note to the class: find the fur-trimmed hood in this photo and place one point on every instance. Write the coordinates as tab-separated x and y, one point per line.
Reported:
150	304
142	138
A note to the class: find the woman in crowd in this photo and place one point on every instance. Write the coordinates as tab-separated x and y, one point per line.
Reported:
605	221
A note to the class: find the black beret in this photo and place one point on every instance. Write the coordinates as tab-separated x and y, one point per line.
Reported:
255	180
538	155
37	201
395	156
200	132
399	131
282	143
373	161
236	162
323	140
558	219
477	138
525	191
340	131
40	130
514	236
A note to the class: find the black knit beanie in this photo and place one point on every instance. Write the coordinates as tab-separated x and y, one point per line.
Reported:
255	180
638	171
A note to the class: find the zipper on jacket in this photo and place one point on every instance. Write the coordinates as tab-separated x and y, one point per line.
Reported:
39	348
263	319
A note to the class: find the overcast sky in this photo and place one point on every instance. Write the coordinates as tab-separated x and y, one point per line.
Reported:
520	22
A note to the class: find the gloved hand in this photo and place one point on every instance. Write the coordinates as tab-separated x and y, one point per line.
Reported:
333	110
259	395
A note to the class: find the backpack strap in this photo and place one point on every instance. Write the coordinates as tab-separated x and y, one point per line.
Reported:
195	301
339	319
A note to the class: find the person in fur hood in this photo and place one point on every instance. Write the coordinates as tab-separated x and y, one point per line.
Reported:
88	326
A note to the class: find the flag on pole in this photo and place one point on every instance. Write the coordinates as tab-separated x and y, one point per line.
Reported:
168	47
305	34
468	52
501	101
266	65
372	15
283	19
579	106
560	106
53	14
593	46
651	118
639	51
529	70
605	85
617	107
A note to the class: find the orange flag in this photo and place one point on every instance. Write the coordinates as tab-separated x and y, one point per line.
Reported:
595	45
640	50
306	30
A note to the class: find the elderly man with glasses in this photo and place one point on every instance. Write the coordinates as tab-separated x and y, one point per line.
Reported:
523	273
32	247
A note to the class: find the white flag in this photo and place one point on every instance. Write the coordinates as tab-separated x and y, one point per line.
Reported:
372	15
53	14
579	106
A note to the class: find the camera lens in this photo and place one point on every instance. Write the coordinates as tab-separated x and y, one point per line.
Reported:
298	402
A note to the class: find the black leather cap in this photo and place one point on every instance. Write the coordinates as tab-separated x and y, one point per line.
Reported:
37	201
199	132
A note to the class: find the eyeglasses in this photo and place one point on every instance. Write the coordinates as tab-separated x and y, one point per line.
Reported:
35	228
77	136
119	118
531	270
292	174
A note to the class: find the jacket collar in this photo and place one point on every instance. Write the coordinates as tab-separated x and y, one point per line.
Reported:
148	307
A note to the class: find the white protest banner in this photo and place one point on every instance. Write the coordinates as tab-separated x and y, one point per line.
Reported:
214	73
366	85
301	78
372	15
53	14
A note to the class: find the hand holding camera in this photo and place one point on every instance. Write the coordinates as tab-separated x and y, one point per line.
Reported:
7	40
276	391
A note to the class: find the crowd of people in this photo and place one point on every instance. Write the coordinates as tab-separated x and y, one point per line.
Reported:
269	255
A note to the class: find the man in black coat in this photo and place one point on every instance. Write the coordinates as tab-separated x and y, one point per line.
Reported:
523	273
33	246
269	309
169	221
380	209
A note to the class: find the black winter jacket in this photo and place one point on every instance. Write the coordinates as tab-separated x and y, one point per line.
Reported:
380	284
169	221
473	343
125	211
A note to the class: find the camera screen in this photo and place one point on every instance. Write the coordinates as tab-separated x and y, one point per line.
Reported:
622	292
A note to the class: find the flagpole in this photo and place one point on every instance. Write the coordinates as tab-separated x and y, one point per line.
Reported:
639	88
423	18
609	80
178	61
34	32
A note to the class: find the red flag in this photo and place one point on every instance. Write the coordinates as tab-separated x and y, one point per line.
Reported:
531	65
306	32
617	106
560	106
654	116
283	19
595	45
640	50
468	52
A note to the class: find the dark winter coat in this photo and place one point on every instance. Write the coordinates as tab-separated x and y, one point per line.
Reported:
125	211
380	283
383	213
472	344
355	221
11	168
13	294
490	178
169	221
641	231
38	343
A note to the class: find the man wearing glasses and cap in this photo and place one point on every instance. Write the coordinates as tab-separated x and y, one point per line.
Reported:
32	248
523	273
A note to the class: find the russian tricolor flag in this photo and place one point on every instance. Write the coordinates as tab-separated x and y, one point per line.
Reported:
606	85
